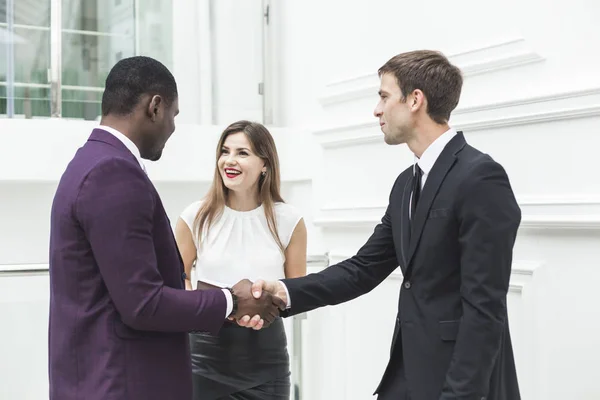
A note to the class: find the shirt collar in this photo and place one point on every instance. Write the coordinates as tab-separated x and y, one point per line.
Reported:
431	154
127	142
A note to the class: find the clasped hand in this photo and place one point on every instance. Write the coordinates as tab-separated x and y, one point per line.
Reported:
252	300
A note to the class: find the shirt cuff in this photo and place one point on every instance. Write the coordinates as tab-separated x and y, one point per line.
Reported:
229	302
287	295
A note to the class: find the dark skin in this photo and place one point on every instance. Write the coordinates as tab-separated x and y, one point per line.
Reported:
149	126
267	306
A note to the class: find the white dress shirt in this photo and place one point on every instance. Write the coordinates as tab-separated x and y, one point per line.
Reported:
432	153
136	152
430	156
426	162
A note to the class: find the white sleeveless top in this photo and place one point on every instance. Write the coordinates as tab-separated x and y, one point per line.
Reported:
240	245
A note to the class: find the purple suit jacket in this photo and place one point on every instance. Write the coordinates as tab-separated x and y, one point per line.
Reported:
119	316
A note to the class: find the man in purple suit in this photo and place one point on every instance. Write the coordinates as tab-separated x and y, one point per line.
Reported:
119	314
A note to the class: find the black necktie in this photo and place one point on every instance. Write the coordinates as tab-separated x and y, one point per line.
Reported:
416	191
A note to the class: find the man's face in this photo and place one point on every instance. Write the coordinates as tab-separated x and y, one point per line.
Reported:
161	127
393	112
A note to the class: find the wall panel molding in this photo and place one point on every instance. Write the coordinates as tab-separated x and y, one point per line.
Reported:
521	273
539	212
489	58
576	104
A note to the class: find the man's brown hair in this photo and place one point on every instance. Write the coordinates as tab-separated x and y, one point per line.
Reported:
432	73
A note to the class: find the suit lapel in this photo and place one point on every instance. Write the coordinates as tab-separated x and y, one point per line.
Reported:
434	180
405	223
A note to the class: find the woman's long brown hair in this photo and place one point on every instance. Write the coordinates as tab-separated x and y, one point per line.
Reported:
263	146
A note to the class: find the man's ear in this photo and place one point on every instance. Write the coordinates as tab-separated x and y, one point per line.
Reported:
417	100
154	107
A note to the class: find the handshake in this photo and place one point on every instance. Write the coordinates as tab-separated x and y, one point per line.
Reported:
258	303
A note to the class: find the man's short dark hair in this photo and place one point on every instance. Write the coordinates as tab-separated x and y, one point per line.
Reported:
432	73
132	77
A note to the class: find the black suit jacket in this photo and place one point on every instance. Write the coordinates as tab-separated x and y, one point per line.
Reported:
456	260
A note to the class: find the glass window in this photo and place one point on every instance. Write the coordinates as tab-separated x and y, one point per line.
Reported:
55	55
95	35
92	36
24	58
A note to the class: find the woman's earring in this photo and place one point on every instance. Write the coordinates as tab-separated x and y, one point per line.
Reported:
264	173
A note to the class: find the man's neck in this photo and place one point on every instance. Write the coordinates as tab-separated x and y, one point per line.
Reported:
424	136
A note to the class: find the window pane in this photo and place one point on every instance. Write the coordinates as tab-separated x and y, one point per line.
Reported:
30	12
31	55
81	103
87	59
28	101
97	15
95	35
24	58
155	29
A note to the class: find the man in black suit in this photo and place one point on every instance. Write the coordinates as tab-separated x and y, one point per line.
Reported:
450	225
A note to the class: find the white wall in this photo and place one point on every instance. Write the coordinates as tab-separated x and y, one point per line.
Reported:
217	60
531	99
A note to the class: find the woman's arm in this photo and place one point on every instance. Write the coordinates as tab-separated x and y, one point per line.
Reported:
295	253
187	249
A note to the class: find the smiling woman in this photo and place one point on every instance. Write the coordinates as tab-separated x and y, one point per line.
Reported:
248	150
242	230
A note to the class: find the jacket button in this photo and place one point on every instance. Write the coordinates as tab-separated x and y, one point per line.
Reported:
407	284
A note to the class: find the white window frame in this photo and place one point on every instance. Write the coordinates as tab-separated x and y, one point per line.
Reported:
199	15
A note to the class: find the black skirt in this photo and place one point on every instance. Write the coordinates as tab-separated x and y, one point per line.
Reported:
241	363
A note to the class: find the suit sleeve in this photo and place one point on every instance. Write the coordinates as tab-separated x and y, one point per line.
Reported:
489	218
116	209
349	279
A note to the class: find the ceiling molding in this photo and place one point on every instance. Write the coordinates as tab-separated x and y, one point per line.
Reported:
575	104
543	212
480	60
